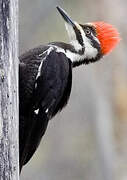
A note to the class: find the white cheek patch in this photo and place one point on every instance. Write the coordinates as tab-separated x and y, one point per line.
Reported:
72	37
90	51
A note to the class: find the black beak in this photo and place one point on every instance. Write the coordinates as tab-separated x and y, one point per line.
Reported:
65	16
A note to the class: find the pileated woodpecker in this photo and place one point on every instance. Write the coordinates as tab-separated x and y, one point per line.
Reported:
45	77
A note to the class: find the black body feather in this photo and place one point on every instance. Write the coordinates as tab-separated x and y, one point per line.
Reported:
41	96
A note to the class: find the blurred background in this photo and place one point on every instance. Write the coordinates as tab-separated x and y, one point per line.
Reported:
88	139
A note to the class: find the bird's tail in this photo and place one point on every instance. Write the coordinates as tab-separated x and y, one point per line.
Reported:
34	131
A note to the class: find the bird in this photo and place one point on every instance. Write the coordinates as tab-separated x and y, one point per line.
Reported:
45	77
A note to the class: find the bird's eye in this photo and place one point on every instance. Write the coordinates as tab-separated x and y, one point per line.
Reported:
87	31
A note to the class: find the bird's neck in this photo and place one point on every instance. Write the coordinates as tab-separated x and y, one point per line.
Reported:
76	57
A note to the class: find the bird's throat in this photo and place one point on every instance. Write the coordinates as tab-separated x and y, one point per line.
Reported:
70	51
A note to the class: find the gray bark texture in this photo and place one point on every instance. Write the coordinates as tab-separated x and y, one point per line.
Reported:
9	165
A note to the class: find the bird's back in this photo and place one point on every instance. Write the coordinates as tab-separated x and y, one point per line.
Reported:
45	78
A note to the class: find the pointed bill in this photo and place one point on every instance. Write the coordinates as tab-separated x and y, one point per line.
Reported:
65	16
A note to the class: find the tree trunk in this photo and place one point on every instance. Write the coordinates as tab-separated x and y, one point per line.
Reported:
9	154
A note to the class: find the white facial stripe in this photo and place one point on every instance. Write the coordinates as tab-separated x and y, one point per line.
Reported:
74	57
90	51
95	38
72	37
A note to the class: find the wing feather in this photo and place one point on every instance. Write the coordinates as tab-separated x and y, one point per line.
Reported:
49	95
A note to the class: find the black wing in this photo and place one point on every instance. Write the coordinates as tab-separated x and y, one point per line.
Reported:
50	94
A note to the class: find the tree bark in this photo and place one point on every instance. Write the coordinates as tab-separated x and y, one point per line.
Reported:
9	153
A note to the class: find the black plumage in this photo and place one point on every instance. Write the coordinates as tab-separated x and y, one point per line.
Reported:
45	80
41	97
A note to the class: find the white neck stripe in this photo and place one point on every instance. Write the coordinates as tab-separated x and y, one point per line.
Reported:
74	57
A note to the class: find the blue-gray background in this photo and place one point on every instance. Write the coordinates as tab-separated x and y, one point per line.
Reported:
88	139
